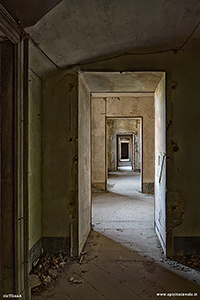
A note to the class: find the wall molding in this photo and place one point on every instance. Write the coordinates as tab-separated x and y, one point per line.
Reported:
9	28
18	281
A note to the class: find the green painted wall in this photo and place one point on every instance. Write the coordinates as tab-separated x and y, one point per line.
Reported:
60	157
34	153
183	94
59	146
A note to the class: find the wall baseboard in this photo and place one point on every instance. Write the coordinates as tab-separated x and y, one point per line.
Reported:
98	187
186	245
148	188
55	245
51	245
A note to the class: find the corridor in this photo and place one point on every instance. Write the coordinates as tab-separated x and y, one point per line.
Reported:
122	259
125	214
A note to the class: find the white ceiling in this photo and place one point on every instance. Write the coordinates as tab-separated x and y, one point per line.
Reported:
77	30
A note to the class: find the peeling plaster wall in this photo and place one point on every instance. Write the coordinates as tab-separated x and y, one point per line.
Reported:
183	138
98	124
34	163
116	126
137	147
84	165
60	162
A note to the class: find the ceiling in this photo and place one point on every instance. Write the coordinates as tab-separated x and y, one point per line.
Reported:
28	12
124	82
71	31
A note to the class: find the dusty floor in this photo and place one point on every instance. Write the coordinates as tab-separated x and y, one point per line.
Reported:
123	258
127	216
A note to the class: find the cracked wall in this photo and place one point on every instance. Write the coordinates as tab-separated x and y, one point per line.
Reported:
182	104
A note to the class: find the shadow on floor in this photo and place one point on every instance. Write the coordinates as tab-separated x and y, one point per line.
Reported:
113	272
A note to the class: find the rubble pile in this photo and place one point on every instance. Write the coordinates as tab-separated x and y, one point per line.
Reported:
45	269
192	261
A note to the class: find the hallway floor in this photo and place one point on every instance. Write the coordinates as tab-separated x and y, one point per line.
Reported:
122	259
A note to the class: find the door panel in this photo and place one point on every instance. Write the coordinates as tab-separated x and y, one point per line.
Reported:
160	162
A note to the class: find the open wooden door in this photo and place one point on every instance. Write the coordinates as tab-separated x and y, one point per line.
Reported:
160	163
84	165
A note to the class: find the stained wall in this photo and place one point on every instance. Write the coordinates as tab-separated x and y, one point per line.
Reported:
182	139
60	162
98	125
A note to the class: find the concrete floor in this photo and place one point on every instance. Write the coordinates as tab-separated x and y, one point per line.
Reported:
123	258
124	214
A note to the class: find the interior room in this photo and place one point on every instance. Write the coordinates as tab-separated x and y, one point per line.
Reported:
73	75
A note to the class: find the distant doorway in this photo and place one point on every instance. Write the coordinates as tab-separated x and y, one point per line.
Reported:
124	151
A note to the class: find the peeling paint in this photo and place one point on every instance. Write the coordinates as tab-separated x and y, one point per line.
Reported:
176	208
175	147
174	85
72	203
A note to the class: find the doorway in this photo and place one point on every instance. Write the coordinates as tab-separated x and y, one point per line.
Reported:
124	146
124	151
132	93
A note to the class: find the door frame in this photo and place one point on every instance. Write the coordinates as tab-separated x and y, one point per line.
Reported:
15	275
118	135
167	94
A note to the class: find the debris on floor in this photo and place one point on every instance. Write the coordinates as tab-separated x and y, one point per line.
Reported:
73	280
182	263
35	281
45	269
53	273
111	185
81	257
191	261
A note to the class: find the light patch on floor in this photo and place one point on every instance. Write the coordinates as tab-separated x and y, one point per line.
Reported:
125	168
